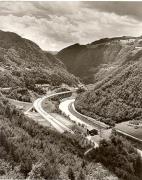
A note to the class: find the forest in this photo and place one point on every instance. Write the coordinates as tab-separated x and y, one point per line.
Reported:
24	64
119	156
28	150
117	98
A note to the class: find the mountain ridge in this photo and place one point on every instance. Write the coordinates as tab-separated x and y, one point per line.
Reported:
86	61
22	57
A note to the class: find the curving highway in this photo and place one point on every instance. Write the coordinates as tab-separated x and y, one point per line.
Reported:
65	106
68	108
60	127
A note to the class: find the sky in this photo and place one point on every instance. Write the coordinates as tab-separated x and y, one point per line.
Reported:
56	25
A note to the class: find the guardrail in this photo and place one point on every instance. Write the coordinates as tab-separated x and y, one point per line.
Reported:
55	123
103	125
128	135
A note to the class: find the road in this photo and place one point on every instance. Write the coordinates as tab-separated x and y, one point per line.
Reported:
65	107
54	122
68	108
60	127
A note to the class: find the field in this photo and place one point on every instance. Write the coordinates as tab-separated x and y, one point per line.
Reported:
130	130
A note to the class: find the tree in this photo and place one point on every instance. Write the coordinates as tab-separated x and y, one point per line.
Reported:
26	166
71	174
119	156
49	171
81	176
138	166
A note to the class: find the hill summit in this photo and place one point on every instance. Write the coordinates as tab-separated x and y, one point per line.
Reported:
116	95
24	63
92	62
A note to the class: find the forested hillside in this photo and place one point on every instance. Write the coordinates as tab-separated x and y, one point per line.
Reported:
116	98
28	150
23	63
118	155
95	61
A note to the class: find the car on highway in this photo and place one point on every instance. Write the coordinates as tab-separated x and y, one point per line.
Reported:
91	131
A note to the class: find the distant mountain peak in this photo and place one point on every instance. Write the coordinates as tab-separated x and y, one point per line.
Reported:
86	61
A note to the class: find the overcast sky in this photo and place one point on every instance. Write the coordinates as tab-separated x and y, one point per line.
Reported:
55	25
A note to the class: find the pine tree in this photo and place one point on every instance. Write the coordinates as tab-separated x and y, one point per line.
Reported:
71	174
81	176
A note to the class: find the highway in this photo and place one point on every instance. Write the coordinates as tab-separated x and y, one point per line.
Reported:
68	108
60	127
65	107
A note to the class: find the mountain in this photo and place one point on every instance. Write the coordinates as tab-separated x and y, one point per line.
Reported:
27	149
24	63
93	62
116	66
116	98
